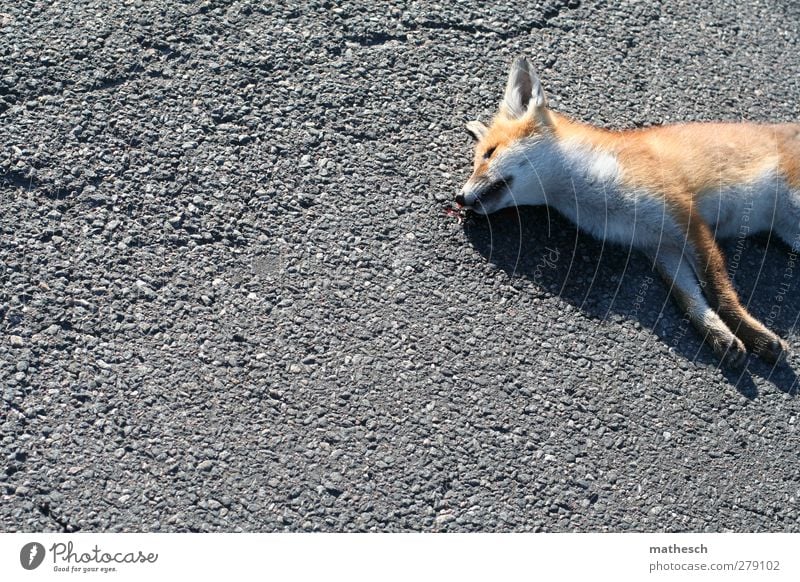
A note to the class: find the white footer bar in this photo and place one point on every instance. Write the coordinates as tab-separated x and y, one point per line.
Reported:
373	557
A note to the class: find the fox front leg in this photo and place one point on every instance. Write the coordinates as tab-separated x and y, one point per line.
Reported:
709	266
684	286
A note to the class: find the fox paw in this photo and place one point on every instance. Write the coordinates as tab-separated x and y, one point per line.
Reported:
731	352
773	349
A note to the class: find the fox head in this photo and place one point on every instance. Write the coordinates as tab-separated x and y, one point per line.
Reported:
513	154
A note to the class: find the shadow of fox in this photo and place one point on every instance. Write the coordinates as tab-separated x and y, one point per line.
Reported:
606	281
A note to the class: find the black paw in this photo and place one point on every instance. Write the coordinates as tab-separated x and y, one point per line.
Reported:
773	349
731	352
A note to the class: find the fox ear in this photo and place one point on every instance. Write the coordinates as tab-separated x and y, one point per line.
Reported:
478	129
524	93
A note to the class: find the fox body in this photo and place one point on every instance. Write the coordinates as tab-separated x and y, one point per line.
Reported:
668	191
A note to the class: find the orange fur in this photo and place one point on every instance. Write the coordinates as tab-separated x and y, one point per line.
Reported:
503	132
695	157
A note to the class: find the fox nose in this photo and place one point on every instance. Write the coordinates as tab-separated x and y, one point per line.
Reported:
460	199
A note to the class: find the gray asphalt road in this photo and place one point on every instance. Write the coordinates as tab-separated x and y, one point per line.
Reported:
231	299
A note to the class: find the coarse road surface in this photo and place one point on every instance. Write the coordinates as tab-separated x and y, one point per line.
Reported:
231	299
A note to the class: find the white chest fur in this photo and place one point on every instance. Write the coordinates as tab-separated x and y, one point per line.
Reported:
595	200
593	197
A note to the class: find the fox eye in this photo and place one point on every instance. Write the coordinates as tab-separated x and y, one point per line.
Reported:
488	153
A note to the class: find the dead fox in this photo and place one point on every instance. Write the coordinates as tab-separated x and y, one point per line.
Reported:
667	191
